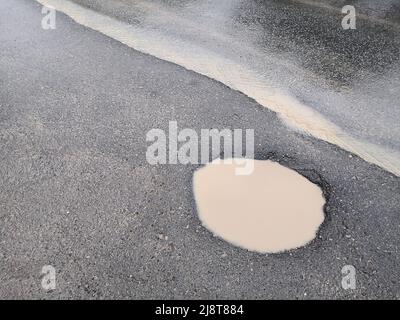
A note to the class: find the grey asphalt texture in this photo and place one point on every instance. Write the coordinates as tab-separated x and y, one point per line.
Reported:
76	191
350	77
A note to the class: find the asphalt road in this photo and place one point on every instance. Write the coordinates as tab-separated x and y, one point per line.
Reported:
348	77
77	193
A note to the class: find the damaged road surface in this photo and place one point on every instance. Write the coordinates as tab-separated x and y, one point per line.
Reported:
77	193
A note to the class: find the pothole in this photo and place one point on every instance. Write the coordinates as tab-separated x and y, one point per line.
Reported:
273	209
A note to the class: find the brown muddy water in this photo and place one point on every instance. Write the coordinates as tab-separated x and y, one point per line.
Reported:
273	209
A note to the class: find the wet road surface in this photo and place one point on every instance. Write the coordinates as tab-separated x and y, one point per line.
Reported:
345	80
77	192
